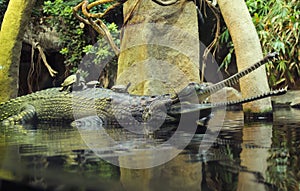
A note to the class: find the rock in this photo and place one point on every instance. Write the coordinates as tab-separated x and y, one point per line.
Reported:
291	98
47	38
159	47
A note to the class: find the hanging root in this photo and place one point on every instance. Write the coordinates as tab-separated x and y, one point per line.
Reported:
216	38
51	71
36	45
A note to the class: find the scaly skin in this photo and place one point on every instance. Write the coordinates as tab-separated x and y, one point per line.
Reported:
113	107
53	105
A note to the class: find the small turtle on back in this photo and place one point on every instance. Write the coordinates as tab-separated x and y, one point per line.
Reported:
93	84
121	88
73	82
68	82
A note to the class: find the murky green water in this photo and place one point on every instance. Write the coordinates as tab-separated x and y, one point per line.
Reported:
257	156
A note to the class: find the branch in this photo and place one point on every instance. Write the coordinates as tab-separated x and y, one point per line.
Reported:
94	19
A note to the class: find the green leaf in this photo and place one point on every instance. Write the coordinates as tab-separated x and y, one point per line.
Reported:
64	51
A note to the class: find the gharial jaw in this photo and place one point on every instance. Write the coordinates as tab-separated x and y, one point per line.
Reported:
184	108
204	90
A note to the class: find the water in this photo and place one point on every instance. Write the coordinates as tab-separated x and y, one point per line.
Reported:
253	156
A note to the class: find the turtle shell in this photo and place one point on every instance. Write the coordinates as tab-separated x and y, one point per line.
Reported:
93	83
120	88
69	80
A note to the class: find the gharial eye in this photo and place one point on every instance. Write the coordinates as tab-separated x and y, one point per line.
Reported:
201	87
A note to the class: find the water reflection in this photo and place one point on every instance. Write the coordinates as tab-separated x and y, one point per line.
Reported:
255	159
256	156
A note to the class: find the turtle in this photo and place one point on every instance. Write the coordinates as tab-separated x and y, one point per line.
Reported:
73	82
121	88
93	84
68	82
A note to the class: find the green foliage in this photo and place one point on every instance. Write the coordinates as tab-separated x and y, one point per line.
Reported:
277	25
72	37
102	55
76	38
226	39
102	50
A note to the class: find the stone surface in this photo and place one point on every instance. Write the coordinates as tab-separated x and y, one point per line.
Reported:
290	98
47	38
159	47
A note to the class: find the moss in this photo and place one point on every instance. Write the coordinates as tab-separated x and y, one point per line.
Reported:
12	31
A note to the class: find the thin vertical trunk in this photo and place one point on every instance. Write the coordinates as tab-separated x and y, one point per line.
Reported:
248	51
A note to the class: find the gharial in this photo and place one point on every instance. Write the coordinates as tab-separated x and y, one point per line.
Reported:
112	107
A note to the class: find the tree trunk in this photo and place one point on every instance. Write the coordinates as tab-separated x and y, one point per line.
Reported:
248	51
12	30
159	47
